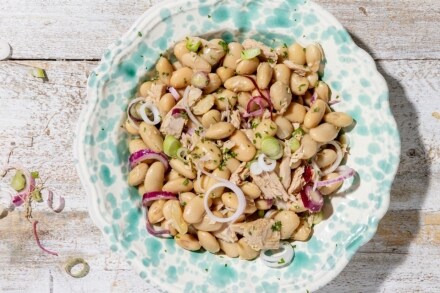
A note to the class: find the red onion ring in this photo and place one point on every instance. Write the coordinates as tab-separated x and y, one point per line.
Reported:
257	100
34	224
308	174
337	162
154	232
314	97
60	207
155	195
346	173
133	120
334	102
312	199
139	156
178	112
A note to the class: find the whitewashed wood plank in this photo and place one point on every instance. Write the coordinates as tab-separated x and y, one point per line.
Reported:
76	29
398	258
26	106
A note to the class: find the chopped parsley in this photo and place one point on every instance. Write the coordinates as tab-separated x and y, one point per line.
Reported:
183	203
285	55
276	226
316	109
186	182
35	174
301	86
224	45
139	34
281	261
254	124
258	135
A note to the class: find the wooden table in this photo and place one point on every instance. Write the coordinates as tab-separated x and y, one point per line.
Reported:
37	121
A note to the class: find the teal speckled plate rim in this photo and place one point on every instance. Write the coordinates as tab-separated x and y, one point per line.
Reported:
101	152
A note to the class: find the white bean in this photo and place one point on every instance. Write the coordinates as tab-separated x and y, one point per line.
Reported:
208	241
289	222
324	133
137	174
187	241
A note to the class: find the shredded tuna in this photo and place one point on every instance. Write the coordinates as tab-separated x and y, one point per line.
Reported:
194	95
270	185
298	69
226	234
173	125
267	52
156	92
259	234
235	119
297	181
240	174
285	172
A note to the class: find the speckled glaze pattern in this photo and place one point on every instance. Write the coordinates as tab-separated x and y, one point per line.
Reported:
101	150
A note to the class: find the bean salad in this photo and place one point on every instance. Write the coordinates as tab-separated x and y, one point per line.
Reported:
234	147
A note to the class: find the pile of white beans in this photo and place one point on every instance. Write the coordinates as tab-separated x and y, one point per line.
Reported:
300	99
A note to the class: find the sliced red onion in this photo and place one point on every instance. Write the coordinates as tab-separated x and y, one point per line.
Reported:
133	120
34	224
174	93
337	162
156	195
345	173
154	111
256	86
314	97
308	174
316	173
262	102
278	258
266	167
240	196
145	154
61	205
156	233
178	112
334	102
312	199
188	110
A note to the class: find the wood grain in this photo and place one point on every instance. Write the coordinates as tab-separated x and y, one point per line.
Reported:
38	118
37	121
69	29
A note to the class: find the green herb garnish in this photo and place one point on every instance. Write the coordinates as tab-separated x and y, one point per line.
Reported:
276	226
250	53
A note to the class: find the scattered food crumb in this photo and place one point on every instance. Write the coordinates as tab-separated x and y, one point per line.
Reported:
38	73
436	115
363	10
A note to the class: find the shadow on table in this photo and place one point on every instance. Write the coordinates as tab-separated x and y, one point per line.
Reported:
367	271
